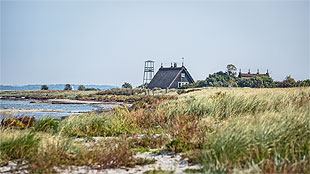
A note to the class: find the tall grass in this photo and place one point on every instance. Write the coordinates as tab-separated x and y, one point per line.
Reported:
256	139
225	130
46	153
275	141
92	124
17	144
46	124
84	125
222	105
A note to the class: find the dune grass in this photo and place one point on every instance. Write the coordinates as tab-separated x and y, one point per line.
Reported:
259	139
239	130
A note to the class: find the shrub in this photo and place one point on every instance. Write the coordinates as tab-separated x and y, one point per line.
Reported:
68	87
127	85
81	88
44	87
15	122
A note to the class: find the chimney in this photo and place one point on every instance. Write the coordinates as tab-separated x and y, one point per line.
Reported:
175	64
161	65
257	71
171	65
249	71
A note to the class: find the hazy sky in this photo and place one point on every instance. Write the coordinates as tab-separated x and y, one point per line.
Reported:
107	42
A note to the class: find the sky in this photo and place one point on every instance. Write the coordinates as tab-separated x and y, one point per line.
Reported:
107	42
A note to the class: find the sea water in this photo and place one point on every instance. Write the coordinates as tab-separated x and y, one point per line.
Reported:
64	109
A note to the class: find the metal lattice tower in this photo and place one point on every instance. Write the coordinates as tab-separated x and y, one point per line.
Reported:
148	71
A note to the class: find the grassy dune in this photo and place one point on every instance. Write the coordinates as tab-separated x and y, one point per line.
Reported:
225	130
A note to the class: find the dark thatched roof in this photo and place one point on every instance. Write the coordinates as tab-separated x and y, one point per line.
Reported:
165	77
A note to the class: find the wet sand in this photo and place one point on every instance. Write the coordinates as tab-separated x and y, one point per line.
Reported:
18	111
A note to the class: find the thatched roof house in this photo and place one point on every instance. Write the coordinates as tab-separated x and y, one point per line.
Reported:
172	77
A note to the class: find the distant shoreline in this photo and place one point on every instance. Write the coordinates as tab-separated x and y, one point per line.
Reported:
50	86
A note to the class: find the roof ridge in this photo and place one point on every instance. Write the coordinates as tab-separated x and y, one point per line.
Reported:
175	77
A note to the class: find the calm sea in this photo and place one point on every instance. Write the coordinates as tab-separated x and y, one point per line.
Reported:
65	109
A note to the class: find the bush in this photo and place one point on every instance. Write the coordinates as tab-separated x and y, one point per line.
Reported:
68	87
81	88
127	85
44	87
18	122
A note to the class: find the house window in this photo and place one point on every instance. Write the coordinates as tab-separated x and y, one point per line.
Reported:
181	84
183	75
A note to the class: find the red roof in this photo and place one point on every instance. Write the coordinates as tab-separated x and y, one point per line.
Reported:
252	75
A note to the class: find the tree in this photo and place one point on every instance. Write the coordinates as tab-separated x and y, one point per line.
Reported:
127	85
68	87
245	82
288	82
306	82
257	82
44	87
231	70
81	88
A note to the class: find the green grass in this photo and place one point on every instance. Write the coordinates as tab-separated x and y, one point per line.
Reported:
92	124
47	124
20	146
283	135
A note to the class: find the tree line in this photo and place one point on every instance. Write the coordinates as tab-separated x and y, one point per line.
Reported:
229	78
68	87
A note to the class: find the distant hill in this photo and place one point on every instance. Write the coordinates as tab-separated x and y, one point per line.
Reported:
53	86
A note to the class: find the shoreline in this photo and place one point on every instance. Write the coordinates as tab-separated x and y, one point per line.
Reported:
101	106
10	111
